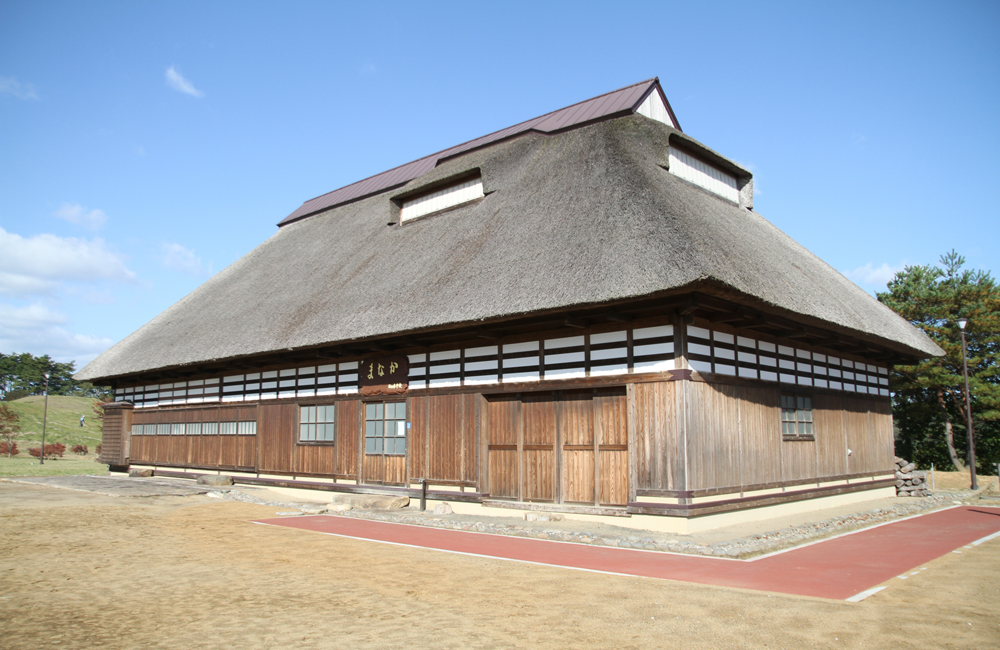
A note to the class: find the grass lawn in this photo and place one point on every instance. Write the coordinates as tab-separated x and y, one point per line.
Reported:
63	424
70	464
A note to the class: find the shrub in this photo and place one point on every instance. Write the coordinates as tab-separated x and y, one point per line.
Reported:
8	449
51	451
98	450
80	449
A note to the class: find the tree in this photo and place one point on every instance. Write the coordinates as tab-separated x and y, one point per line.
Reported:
10	427
22	374
929	397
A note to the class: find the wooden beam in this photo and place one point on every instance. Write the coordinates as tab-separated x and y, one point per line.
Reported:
575	322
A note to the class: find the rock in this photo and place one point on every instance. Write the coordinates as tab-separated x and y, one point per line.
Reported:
289	513
139	473
442	509
313	510
372	501
338	507
215	479
543	516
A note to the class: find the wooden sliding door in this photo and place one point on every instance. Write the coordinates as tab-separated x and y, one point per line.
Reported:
559	447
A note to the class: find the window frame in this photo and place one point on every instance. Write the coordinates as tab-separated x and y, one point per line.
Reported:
382	437
301	422
805	427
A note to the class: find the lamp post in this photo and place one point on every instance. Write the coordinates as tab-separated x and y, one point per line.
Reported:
962	322
45	419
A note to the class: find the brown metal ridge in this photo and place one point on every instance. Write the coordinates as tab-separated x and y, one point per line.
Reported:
404	176
680	374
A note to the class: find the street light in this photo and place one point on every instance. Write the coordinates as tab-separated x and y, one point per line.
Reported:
962	322
45	418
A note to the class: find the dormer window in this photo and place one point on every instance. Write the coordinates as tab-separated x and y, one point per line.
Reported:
464	191
694	170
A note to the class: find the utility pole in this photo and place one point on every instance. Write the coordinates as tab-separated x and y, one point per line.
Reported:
962	322
45	419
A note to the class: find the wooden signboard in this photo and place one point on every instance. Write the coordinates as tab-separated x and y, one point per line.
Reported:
384	375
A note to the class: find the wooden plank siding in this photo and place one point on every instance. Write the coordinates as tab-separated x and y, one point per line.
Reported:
590	444
831	437
734	438
760	418
658	457
714	452
276	424
115	427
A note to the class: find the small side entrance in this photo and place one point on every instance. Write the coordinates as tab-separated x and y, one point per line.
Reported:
559	447
385	443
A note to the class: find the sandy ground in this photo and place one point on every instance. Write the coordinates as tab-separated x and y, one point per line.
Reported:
81	570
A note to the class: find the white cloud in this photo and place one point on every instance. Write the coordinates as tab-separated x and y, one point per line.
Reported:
13	87
76	213
178	258
39	330
869	276
180	84
32	265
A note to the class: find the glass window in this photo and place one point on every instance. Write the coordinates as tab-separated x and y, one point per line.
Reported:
385	428
247	428
796	417
209	428
318	423
227	428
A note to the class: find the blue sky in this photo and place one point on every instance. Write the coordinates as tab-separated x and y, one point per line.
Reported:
145	147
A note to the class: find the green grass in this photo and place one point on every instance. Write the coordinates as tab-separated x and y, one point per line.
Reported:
69	465
63	424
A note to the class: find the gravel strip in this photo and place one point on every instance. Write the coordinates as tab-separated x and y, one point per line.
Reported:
736	548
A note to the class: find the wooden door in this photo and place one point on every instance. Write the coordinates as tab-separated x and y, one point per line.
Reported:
576	426
538	457
562	447
611	435
504	466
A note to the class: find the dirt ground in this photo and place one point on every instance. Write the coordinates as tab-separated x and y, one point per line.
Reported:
81	570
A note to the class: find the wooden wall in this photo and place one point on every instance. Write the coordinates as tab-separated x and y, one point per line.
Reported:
223	451
734	437
582	446
659	456
442	440
115	443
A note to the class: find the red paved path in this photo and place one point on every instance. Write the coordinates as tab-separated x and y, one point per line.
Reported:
835	568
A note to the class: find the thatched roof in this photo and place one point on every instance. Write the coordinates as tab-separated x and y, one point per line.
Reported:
585	216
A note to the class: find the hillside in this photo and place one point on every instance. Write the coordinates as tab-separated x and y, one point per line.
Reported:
63	421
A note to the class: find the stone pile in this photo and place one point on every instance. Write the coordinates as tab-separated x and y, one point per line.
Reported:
909	481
